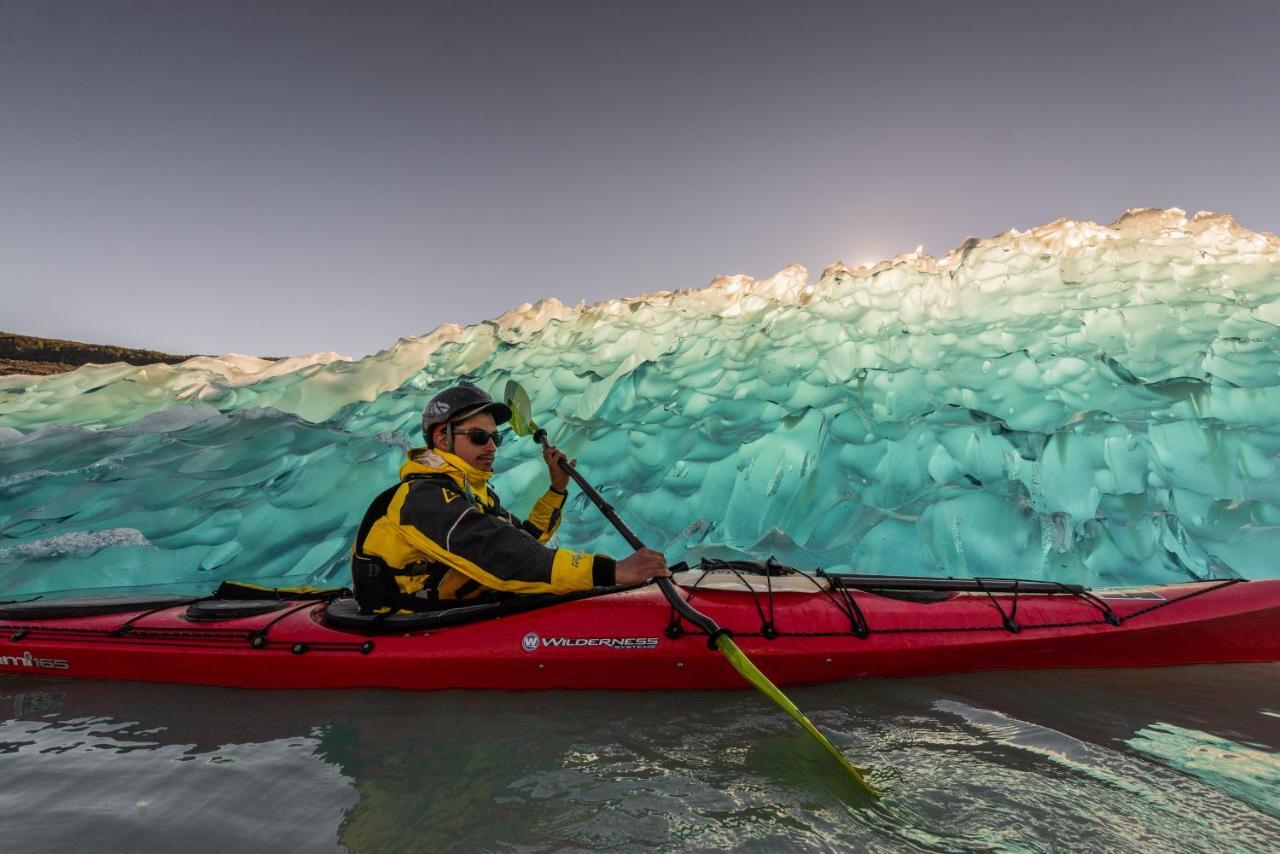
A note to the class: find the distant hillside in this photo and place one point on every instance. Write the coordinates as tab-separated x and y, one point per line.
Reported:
23	354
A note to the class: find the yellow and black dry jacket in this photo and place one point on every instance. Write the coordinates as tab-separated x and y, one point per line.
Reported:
443	534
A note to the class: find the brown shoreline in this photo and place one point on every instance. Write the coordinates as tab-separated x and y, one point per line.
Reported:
26	354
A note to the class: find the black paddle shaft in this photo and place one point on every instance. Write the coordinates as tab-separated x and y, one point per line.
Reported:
683	608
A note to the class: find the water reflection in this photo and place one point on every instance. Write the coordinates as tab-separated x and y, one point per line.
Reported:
79	774
1247	772
1094	759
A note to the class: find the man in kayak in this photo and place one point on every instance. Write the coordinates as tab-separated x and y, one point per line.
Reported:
442	535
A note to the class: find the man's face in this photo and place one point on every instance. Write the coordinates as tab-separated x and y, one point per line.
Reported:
480	456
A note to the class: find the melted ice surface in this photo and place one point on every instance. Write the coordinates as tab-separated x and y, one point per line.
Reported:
1086	403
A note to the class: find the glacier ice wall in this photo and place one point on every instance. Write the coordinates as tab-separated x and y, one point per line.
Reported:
1080	402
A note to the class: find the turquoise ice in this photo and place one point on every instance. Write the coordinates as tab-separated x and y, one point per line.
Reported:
1078	402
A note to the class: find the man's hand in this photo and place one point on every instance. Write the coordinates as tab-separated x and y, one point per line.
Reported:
559	477
641	566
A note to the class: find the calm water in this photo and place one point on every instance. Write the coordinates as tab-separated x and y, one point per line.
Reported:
1095	760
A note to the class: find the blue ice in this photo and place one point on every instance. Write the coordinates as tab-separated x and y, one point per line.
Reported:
1080	402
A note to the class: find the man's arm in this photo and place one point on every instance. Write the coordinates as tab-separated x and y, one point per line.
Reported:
440	522
545	516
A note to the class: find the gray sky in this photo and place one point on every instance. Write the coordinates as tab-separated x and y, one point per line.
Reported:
289	177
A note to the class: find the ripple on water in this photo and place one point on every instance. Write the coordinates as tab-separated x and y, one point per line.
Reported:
76	781
1038	786
1250	773
1023	762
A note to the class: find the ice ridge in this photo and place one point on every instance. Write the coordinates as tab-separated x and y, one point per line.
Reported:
1084	402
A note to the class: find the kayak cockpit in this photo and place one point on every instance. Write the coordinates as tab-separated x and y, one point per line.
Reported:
345	613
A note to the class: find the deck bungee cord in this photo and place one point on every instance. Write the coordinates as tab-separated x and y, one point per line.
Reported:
838	594
204	637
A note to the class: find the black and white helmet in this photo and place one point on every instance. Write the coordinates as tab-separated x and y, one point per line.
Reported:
460	402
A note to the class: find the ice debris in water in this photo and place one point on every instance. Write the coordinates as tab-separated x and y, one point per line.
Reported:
74	544
1079	402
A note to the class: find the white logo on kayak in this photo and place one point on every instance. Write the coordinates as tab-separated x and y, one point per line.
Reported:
531	642
29	660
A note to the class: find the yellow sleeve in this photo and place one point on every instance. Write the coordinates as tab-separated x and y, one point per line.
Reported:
545	516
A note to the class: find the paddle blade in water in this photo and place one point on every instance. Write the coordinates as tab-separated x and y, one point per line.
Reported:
521	409
753	675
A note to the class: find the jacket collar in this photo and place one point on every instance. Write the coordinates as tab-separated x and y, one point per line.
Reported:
437	461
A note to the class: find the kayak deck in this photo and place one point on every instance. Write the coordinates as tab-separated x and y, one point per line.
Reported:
796	631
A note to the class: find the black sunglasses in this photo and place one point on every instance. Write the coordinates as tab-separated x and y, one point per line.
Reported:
480	437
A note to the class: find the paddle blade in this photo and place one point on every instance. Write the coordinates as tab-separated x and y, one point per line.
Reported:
753	675
521	409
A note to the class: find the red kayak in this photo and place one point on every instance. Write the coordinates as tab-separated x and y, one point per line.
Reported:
798	628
